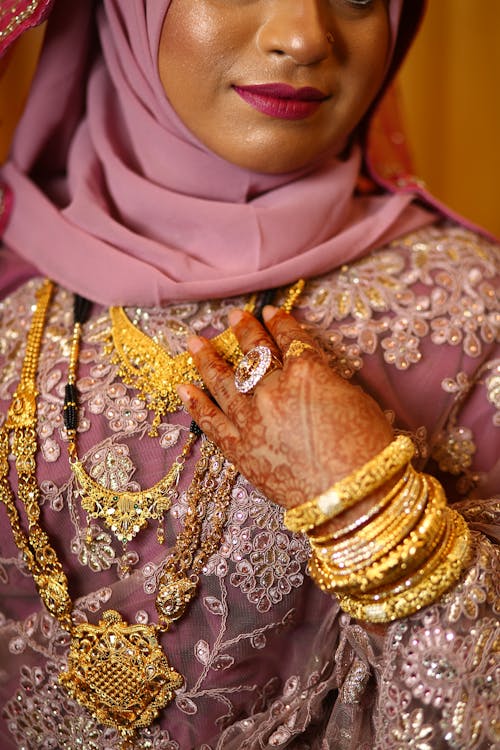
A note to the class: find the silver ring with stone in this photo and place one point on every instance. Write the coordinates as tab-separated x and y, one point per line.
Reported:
257	363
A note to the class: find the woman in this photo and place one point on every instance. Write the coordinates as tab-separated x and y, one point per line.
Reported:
175	162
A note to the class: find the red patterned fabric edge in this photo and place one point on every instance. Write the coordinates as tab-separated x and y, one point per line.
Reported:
6	199
17	16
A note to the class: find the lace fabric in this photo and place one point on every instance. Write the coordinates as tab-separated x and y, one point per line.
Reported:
269	660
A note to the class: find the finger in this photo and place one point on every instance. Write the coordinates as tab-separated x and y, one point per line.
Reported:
218	377
292	339
212	420
250	332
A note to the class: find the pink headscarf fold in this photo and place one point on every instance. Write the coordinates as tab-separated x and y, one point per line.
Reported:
146	213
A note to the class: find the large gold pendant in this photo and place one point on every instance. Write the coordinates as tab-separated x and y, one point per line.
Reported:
119	673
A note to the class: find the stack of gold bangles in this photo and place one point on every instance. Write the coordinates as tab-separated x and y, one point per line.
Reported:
401	555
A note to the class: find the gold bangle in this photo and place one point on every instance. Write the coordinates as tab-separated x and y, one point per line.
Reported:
395	522
349	490
374	549
406	556
405	583
374	511
424	593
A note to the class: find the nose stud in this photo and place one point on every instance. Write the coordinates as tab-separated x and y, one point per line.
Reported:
329	37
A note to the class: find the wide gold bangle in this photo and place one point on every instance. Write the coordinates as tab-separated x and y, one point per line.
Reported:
353	488
421	594
396	491
404	557
375	538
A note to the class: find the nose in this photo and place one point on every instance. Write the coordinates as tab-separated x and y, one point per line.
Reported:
299	30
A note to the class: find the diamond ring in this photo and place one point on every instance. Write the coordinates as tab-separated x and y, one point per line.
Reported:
258	362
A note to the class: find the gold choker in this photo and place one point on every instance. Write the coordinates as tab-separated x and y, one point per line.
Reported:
147	367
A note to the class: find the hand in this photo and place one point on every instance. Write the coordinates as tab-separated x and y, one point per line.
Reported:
301	429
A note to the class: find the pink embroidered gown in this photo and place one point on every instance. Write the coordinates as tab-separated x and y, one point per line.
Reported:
269	660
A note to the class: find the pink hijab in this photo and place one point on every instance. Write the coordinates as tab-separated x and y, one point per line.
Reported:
124	206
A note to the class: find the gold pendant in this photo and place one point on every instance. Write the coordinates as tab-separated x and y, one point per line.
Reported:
173	597
125	513
119	673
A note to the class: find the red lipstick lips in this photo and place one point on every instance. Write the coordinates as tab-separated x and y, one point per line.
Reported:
281	100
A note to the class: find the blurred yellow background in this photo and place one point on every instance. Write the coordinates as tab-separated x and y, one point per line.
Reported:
449	90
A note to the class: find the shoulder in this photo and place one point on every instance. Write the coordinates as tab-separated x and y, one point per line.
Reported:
436	286
429	271
450	242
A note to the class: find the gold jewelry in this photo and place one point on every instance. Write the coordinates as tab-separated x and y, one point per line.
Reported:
115	670
409	580
125	513
417	595
179	580
348	491
296	348
371	540
253	367
40	558
146	366
119	673
404	556
375	510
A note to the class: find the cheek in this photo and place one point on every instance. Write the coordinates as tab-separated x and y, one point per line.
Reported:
370	50
189	49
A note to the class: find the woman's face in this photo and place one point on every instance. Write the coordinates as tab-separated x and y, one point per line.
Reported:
272	85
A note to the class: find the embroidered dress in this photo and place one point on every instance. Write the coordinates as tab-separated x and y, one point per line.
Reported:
269	660
109	194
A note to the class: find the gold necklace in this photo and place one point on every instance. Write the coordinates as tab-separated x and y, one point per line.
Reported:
147	367
115	670
125	512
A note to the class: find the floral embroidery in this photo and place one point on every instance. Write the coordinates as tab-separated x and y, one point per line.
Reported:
438	280
412	733
480	585
42	715
433	286
272	569
447	658
111	466
493	391
454	450
401	349
93	548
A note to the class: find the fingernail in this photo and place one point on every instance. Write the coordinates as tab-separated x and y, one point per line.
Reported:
269	312
183	393
234	316
195	343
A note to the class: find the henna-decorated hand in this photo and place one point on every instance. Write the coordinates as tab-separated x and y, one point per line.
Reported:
301	429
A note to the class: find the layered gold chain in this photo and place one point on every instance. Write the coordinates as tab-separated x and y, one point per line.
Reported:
38	554
117	671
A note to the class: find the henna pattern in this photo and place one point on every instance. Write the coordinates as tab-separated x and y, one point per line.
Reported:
302	429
